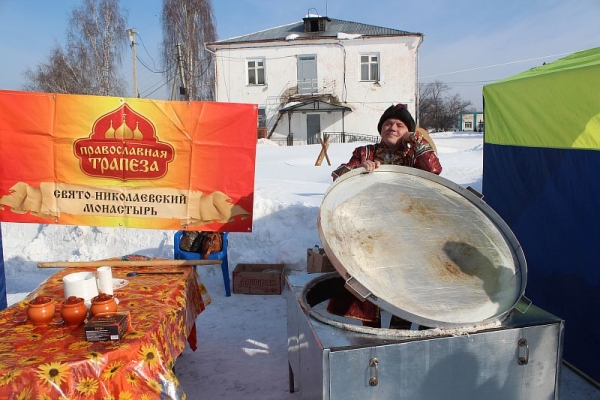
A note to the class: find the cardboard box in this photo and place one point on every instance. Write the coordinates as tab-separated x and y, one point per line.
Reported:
258	278
107	326
318	262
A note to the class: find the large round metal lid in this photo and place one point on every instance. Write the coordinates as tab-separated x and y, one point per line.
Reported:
421	247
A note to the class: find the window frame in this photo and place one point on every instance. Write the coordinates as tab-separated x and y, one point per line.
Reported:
262	117
256	68
369	64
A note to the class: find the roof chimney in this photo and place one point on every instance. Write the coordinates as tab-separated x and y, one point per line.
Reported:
314	23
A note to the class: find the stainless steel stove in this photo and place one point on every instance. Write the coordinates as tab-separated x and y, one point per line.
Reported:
518	360
431	252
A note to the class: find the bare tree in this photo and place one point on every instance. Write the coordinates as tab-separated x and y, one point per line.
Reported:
90	62
437	109
187	26
57	75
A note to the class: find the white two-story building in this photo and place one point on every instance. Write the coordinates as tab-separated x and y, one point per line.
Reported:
319	76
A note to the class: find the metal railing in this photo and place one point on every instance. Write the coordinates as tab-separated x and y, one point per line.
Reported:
334	137
345	137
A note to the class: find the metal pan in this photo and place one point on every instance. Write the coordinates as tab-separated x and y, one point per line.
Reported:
421	247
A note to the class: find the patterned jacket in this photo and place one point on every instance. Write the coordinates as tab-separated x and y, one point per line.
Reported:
418	154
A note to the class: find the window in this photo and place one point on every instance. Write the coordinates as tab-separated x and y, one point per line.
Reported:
468	125
314	25
262	117
256	72
369	67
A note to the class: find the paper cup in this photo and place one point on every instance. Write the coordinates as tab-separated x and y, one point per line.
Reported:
80	284
105	280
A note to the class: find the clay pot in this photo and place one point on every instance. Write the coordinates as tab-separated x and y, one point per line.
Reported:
103	304
41	310
73	311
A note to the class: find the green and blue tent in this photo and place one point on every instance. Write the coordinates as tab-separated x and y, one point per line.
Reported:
541	173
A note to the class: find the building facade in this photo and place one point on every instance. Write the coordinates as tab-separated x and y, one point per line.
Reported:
471	121
319	76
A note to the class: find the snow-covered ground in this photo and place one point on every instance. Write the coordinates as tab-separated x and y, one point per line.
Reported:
242	339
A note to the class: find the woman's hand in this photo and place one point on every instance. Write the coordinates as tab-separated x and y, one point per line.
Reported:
370	166
409	139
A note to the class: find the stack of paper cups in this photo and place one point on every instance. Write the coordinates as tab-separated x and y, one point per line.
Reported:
105	280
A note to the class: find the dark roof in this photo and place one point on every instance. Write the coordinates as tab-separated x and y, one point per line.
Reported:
334	26
313	105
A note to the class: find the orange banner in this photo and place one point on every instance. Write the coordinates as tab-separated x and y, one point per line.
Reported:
109	161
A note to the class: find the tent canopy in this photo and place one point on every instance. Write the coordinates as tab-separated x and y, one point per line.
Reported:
546	100
540	173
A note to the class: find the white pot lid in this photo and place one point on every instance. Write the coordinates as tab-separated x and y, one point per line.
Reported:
421	247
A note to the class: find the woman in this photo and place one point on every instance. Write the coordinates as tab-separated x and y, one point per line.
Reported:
401	144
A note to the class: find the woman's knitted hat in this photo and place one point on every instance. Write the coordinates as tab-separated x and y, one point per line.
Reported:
400	112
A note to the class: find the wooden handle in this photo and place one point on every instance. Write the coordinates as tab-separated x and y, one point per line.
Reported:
120	263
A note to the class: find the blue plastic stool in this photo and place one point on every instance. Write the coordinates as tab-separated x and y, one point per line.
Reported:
221	255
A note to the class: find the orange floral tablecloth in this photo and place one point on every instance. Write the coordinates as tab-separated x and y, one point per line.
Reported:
56	362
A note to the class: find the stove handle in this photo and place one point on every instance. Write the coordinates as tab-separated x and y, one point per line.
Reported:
357	289
524	359
374	380
523	304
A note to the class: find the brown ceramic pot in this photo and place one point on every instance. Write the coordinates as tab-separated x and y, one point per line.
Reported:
103	304
41	310
73	311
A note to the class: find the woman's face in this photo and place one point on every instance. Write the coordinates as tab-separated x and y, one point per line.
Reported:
392	132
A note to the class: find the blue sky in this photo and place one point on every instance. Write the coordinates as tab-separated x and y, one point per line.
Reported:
467	43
